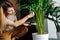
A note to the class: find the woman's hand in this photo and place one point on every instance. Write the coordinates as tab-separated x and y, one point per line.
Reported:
31	15
26	24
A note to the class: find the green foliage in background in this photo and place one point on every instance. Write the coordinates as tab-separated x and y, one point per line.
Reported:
43	9
39	7
53	14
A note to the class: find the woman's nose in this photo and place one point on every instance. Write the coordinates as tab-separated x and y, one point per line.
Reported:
13	11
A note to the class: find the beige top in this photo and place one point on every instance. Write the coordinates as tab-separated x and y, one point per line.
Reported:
10	18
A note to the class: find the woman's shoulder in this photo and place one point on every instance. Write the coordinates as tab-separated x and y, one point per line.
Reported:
11	17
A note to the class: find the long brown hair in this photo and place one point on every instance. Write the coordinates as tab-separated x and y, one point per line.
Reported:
3	12
2	20
5	5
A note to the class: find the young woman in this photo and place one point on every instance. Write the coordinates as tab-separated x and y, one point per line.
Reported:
9	24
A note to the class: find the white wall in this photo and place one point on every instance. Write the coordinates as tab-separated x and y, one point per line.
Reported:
51	29
57	2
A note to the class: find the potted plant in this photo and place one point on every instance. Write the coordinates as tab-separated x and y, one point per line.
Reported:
54	13
40	8
49	10
57	23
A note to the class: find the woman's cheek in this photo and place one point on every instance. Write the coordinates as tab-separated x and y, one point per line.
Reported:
10	12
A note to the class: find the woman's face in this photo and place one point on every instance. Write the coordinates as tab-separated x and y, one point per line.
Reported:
10	10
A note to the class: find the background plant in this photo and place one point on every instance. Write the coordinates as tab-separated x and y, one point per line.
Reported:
39	7
53	13
43	9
